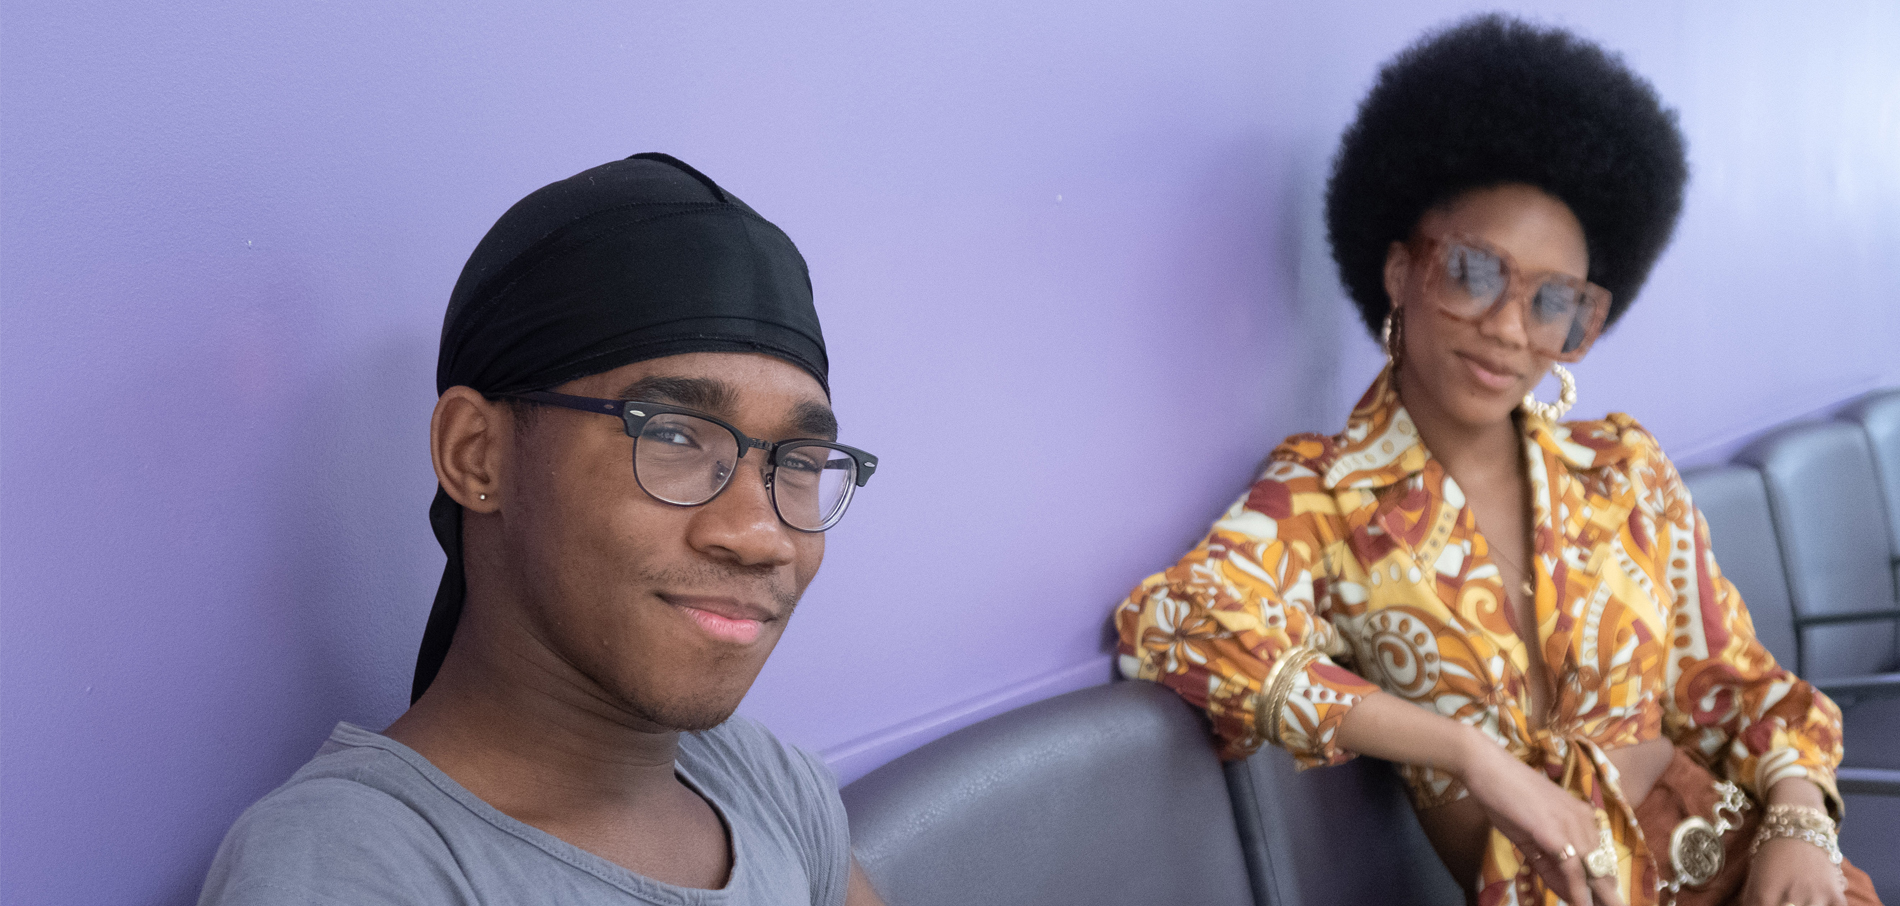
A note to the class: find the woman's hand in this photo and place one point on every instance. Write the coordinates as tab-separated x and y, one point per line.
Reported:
1542	818
1539	816
1791	870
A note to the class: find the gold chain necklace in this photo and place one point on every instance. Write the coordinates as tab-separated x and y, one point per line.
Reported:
1527	586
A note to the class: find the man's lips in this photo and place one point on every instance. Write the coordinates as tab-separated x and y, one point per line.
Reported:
725	619
1490	374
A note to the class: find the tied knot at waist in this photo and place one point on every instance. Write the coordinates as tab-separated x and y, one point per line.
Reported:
1581	767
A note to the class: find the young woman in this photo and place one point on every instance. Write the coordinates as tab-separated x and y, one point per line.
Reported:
1523	613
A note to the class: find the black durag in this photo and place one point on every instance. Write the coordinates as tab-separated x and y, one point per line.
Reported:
633	260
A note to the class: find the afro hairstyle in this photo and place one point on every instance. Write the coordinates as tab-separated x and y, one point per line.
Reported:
1493	100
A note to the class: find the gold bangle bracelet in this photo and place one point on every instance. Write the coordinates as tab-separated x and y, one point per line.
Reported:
1280	680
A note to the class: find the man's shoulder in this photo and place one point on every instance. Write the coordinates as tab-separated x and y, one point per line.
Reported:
342	829
743	751
308	816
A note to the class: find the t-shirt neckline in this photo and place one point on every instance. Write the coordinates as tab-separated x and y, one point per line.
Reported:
349	734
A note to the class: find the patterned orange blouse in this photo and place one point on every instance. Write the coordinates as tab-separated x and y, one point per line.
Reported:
1353	565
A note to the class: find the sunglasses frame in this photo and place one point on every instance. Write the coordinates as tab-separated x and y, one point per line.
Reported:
1429	251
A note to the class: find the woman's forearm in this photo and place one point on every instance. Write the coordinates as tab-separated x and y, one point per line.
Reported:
1542	819
1797	791
1386	726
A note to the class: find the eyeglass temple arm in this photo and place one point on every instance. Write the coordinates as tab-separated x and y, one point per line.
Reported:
582	403
865	462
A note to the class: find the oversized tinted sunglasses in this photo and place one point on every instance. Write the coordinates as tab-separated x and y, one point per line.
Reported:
686	458
1471	279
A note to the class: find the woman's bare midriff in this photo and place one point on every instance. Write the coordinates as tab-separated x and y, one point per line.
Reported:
1458	829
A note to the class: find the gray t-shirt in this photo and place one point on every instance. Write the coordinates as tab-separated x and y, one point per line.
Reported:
369	821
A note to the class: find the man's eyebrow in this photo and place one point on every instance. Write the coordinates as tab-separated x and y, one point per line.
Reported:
716	397
815	420
704	394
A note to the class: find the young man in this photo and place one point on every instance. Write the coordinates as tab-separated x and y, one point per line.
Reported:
636	459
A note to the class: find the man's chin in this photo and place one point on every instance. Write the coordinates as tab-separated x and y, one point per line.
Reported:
688	714
696	720
685	697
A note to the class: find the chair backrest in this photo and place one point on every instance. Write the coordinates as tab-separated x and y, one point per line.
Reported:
1878	414
1105	796
1734	500
1830	519
1341	835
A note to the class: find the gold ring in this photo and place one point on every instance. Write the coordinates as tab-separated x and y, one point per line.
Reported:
1601	862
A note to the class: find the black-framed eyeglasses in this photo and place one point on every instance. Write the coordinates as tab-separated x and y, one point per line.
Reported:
686	458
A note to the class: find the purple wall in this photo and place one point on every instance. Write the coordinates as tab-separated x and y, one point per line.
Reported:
1086	233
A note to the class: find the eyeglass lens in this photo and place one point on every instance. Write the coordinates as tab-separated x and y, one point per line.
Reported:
811	483
1559	314
686	460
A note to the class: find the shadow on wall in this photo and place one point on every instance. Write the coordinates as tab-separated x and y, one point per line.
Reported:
1302	358
361	564
1255	262
1246	321
336	617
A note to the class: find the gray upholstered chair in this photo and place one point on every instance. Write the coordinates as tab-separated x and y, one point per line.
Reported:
1830	515
1831	523
1873	737
1342	835
1734	499
1878	414
1106	796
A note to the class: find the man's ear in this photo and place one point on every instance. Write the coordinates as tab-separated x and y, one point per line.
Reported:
1398	268
468	441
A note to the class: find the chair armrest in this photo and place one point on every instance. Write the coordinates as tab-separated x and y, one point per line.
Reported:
1873	685
1868	781
1877	615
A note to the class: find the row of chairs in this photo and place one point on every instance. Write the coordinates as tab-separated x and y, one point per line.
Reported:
1112	795
1806	523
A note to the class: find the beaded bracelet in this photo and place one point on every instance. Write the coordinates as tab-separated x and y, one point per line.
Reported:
1825	841
1799	822
1801	816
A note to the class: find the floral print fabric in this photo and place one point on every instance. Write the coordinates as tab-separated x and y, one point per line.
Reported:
1353	565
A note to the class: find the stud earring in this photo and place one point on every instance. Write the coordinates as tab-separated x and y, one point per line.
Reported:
1567	397
481	496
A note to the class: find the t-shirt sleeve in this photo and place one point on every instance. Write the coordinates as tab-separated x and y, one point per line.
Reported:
332	842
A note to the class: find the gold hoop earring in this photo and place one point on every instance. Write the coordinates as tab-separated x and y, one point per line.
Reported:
1567	397
1392	337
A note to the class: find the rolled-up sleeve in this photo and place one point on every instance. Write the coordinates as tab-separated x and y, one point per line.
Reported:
1234	628
1728	699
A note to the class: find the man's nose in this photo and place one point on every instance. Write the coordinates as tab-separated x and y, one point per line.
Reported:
741	523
